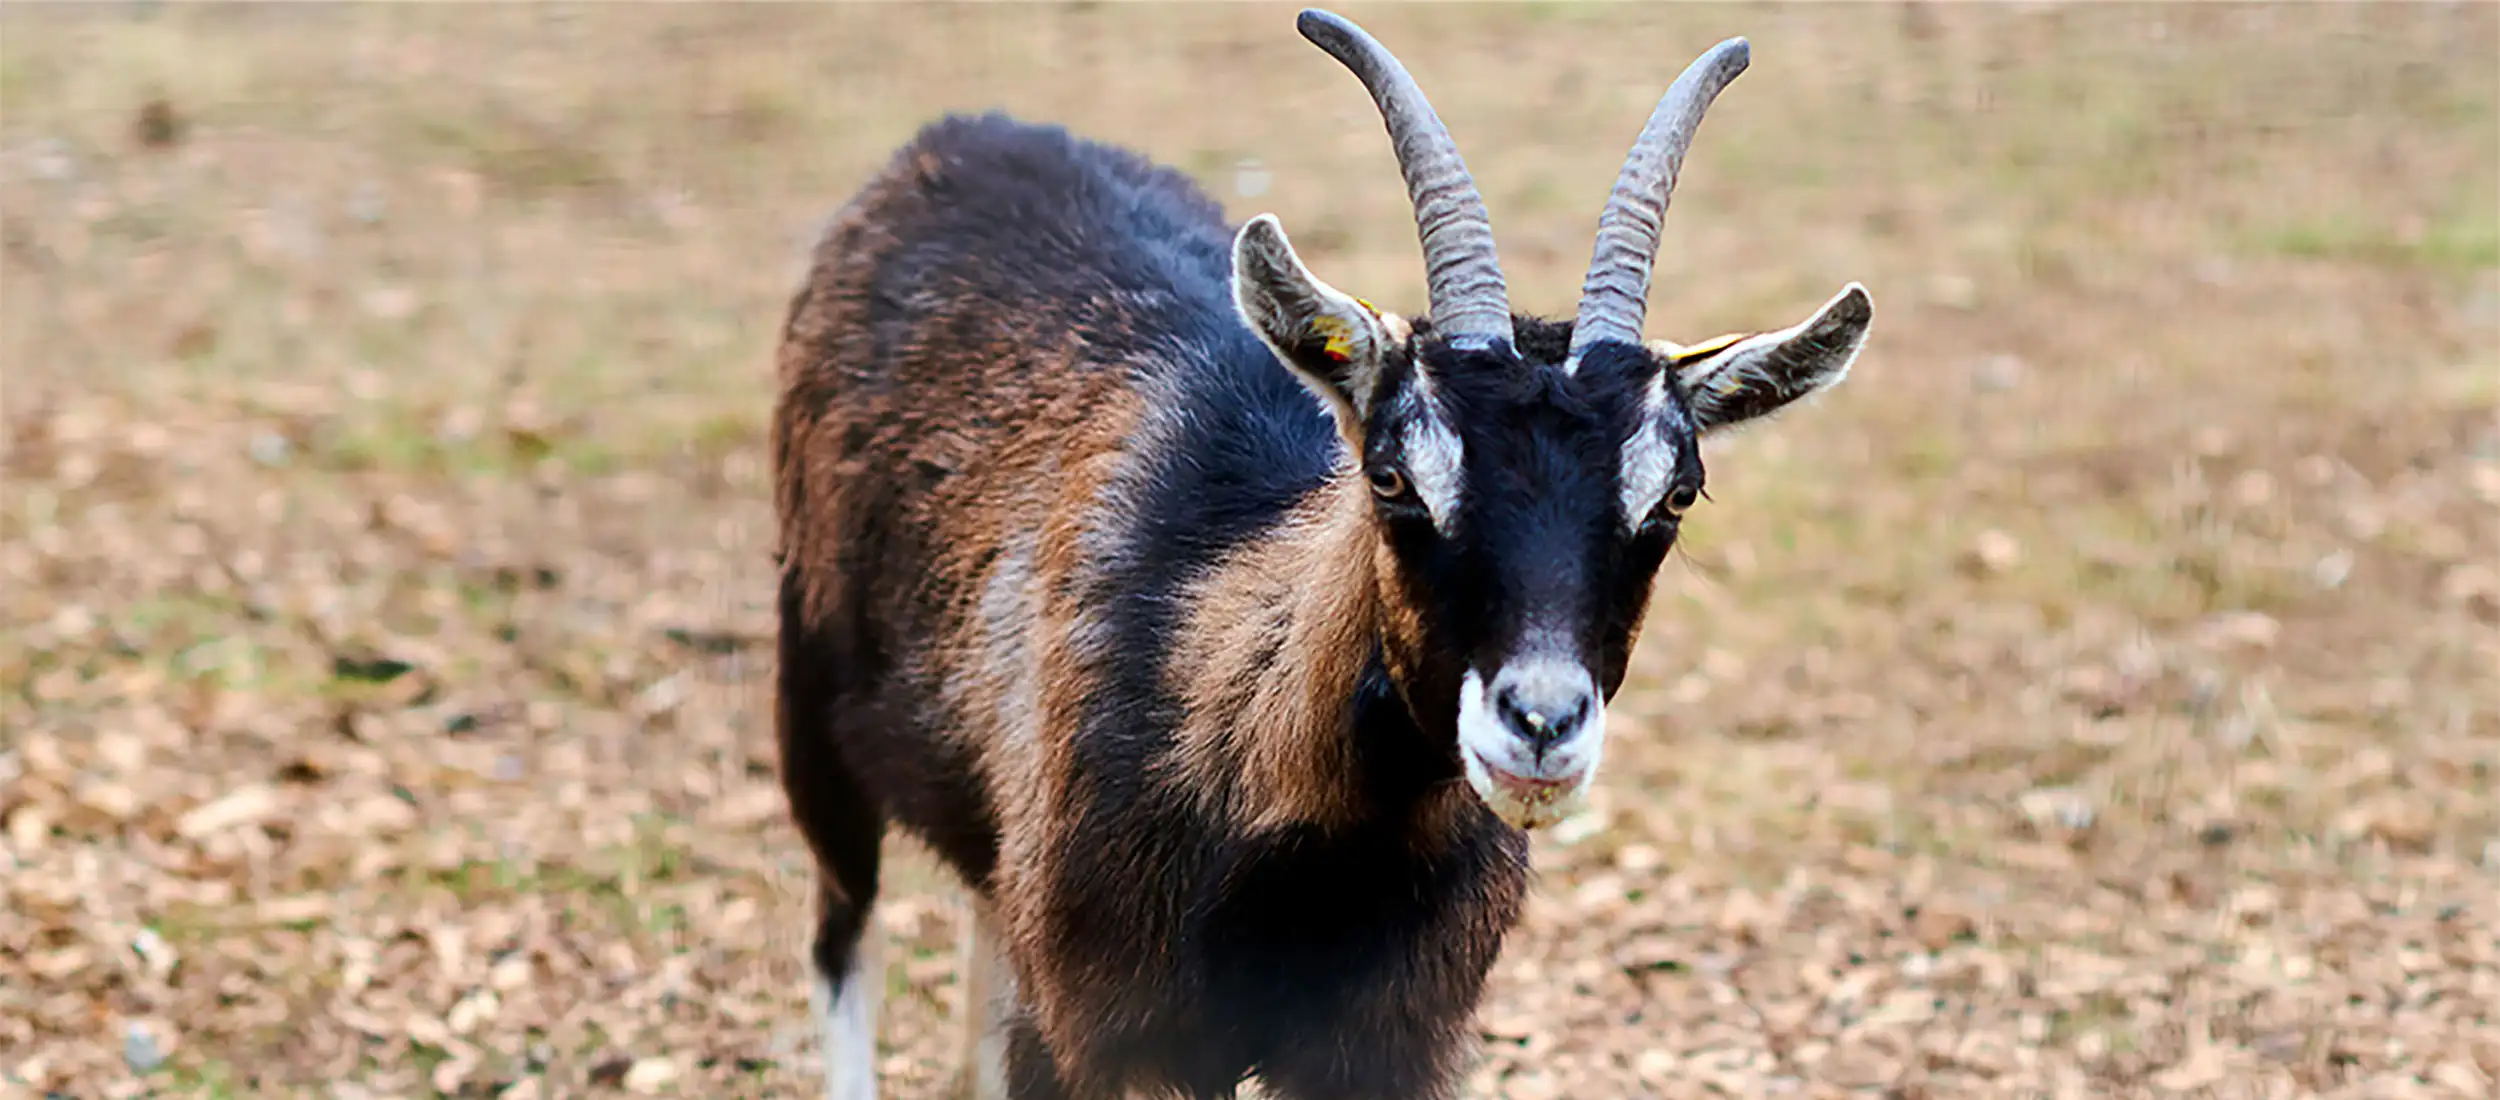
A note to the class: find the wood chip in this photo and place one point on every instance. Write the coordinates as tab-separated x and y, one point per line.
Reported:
248	805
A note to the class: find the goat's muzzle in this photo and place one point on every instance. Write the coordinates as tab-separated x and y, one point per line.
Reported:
1530	739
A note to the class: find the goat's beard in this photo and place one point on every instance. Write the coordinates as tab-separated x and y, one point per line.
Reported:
1526	811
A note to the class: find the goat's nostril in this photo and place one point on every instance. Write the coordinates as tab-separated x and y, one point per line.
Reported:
1581	705
1541	722
1565	716
1516	716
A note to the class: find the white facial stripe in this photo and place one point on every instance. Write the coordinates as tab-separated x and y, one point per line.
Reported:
846	1022
1435	459
1480	733
1648	457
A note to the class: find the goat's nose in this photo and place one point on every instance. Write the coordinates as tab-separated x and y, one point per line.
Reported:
1544	717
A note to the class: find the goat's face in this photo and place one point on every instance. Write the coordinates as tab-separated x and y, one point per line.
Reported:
1522	501
1525	494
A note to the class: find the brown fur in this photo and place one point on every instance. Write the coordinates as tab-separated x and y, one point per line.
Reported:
1268	667
850	447
959	431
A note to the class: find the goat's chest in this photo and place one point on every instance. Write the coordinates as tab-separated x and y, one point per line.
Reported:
1280	953
1306	936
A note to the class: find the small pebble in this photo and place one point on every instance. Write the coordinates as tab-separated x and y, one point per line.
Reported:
141	1050
2063	806
270	449
1250	179
1995	551
650	1075
368	204
2332	570
51	160
1998	372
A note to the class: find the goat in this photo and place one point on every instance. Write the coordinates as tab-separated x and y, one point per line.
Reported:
1223	632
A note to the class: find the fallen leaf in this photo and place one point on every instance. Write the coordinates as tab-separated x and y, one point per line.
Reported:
649	1076
247	805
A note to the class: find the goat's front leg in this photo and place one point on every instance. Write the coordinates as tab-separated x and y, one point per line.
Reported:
989	998
850	979
1032	1073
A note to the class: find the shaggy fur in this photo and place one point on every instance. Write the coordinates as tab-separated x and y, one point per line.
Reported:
1083	587
1022	428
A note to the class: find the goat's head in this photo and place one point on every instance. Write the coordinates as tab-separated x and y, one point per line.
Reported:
1526	489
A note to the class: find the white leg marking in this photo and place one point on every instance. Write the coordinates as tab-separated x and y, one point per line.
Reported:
988	989
846	1023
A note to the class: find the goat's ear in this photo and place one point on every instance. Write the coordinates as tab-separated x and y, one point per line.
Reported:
1734	379
1334	342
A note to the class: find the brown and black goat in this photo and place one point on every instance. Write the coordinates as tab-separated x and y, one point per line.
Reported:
1222	631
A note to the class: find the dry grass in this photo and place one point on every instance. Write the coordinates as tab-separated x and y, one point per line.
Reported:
2094	698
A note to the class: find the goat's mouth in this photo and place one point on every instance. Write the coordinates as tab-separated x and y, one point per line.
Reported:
1525	801
1529	737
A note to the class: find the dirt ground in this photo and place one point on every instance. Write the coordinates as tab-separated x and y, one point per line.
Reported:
2094	697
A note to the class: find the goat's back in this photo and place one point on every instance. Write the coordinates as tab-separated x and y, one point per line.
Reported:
1016	401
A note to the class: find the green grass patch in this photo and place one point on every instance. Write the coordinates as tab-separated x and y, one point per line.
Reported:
622	885
403	440
210	1079
2465	237
526	160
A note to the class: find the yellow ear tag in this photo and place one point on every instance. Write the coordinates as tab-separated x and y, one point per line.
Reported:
1706	348
1340	346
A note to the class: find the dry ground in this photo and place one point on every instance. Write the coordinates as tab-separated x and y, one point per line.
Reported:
2095	697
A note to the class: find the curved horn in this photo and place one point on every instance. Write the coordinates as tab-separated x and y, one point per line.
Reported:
1468	299
1615	296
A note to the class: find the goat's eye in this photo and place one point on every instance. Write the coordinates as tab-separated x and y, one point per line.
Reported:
1682	498
1388	483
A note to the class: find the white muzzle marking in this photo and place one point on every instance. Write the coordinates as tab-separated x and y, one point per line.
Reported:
1525	787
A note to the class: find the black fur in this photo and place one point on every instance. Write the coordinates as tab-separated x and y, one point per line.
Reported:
995	273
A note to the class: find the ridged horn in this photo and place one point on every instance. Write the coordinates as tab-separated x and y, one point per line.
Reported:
1469	301
1614	299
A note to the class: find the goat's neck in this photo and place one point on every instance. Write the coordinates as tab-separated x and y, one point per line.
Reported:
1279	637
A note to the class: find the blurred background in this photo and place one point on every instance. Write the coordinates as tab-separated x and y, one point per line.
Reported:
2095	696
